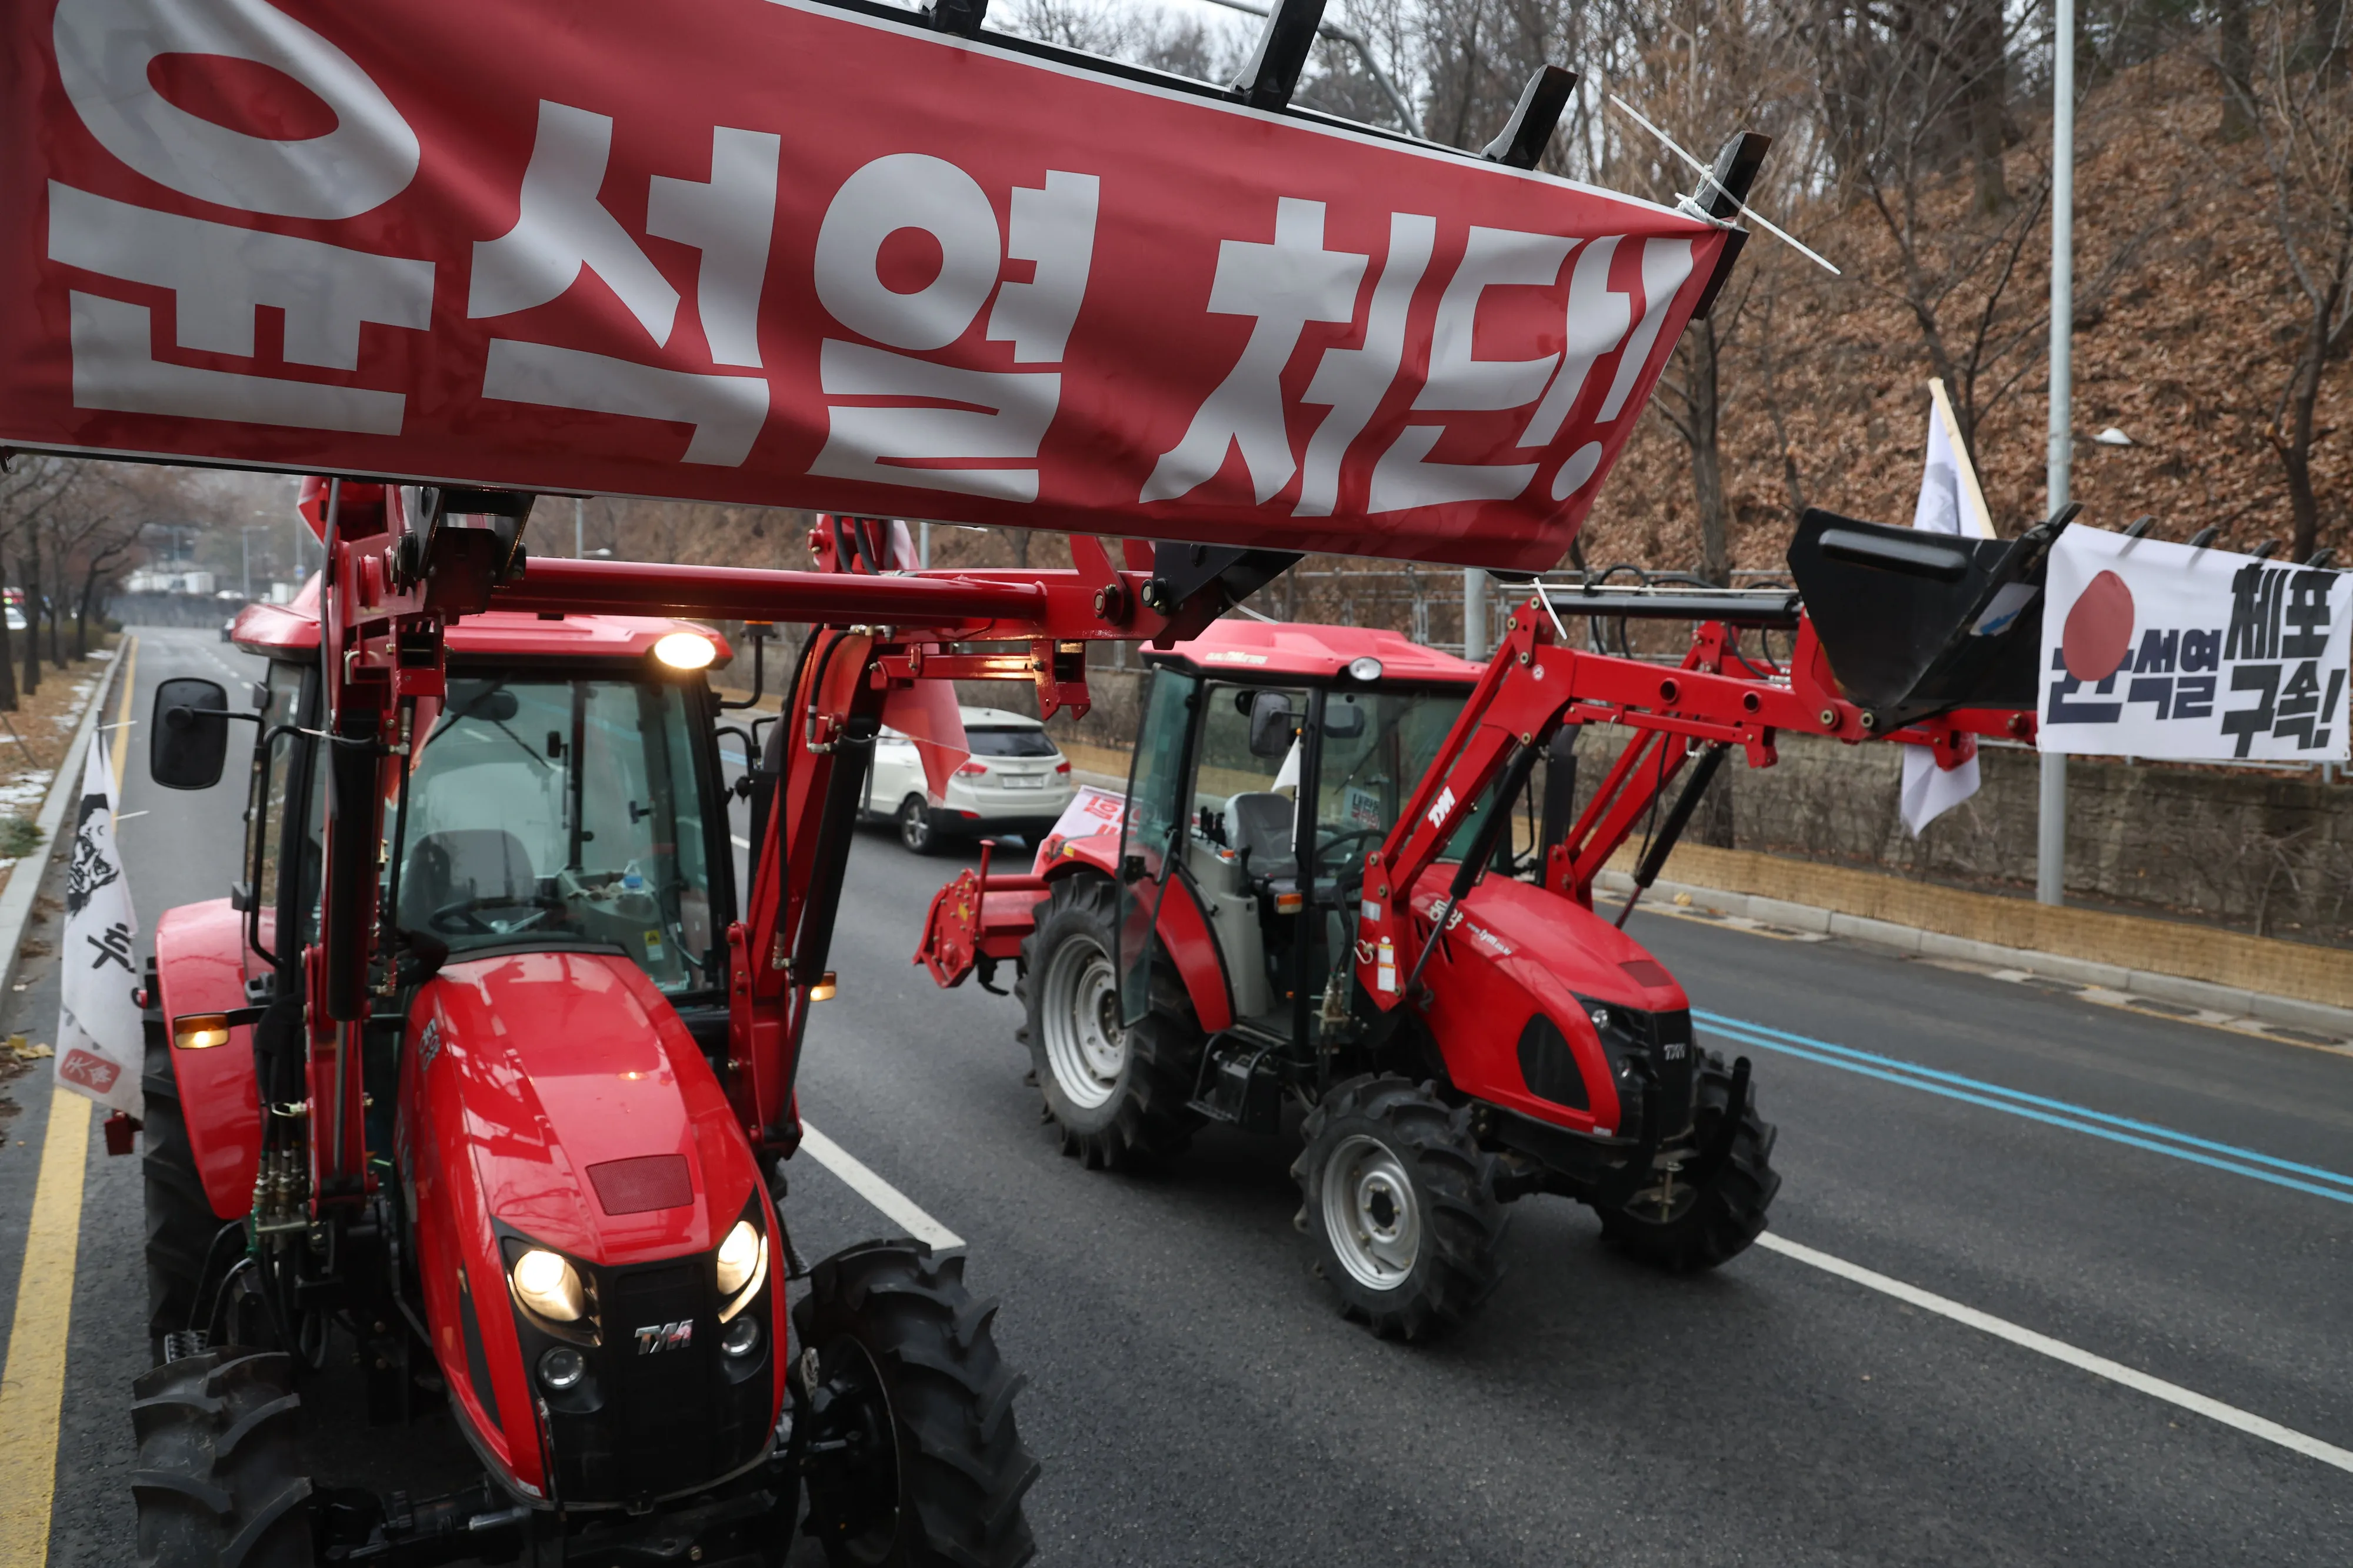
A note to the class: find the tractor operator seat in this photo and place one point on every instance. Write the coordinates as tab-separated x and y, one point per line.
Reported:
1262	824
487	864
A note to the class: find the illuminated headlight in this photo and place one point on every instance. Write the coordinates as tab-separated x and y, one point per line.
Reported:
549	1286
743	1268
686	650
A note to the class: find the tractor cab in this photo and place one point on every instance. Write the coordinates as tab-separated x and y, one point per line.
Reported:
1272	761
563	795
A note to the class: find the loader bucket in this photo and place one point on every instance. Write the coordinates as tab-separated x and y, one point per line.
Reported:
1918	623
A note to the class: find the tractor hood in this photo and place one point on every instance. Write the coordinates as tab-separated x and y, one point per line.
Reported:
590	1119
1545	941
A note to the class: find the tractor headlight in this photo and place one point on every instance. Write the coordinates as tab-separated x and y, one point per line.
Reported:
743	1268
549	1286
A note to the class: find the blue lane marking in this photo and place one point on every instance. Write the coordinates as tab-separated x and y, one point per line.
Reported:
1914	1069
2079	1119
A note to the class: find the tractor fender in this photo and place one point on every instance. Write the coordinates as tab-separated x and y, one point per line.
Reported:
199	968
553	1100
1184	928
1514	950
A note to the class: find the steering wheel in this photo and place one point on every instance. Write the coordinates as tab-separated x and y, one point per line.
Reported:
443	920
1324	851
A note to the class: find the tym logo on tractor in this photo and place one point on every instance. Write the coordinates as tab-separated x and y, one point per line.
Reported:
485	1071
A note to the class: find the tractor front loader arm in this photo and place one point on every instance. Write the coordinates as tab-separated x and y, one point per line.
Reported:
1714	701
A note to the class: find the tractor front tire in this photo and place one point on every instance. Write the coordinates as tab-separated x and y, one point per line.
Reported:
1118	1095
1683	1232
220	1478
181	1224
1398	1203
913	1456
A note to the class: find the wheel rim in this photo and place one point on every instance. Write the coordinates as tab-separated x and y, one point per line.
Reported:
1086	1048
1371	1213
913	831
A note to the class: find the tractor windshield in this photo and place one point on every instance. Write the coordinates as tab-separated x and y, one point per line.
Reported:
562	812
1376	746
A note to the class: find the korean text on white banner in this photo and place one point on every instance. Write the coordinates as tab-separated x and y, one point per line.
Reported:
2153	650
99	1033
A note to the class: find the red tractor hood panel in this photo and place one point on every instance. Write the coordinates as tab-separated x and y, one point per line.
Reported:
560	1062
1536	936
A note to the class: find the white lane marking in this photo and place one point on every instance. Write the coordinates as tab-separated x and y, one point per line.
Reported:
740	843
895	1204
2059	1351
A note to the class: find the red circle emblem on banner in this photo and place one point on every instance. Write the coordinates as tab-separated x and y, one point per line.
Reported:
2099	628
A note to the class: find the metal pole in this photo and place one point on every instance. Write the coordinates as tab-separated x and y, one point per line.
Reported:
1474	612
924	545
579	529
2051	825
245	550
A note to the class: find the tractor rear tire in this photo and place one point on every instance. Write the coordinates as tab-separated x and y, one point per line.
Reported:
220	1478
930	1470
1398	1203
1118	1096
181	1224
1701	1229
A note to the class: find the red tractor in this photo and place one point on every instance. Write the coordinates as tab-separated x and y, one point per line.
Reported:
484	1070
1317	898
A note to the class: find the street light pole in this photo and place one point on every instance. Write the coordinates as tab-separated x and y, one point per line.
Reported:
2050	824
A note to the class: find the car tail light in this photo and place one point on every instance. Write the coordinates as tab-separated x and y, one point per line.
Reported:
973	771
1063	766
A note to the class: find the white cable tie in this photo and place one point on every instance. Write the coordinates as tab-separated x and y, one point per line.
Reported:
1709	175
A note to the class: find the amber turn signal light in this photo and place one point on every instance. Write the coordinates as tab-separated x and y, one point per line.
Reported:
823	990
200	1031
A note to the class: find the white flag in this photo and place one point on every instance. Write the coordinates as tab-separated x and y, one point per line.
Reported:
1950	502
100	1036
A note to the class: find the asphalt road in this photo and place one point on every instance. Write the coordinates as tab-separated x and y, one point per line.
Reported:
1194	1398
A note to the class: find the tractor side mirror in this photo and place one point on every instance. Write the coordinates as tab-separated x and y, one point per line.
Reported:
187	740
1271	725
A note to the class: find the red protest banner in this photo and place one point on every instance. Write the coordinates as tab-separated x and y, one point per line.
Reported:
799	255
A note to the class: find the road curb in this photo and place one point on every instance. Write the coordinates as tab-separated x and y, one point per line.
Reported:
2201	994
25	878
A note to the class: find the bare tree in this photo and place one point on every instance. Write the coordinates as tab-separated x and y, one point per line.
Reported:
2299	103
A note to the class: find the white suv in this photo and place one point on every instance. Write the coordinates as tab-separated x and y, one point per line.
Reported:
1017	780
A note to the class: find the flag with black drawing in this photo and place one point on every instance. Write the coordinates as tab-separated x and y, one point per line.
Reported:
99	1033
1950	502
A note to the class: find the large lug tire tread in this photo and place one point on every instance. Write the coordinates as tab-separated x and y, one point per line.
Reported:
181	1224
220	1482
1460	1262
1721	1222
962	1467
1148	1120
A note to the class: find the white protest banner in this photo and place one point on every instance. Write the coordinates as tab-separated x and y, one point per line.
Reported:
1092	812
100	1036
2152	649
